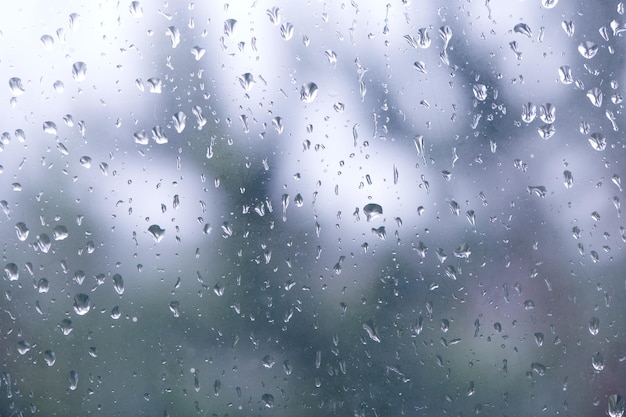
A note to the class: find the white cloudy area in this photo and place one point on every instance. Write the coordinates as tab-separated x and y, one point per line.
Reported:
351	207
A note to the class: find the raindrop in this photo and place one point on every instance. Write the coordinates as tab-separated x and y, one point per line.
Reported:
23	347
371	332
229	27
423	39
616	405
43	285
538	368
116	313
155	85
595	96
158	135
174	35
22	231
141	137
198	52
82	304
118	284
135	9
308	92
66	327
523	29
246	80
60	232
85	161
569	180
372	211
529	112
175	308
597	141
597	361
268	400
539	190
332	57
72	380
43	242
74	21
546	131
156	232
549	4
286	31
50	357
79	71
588	49
59	87
594	325
47	41
480	92
16	86
568	27
179	121
50	127
420	66
547	113
565	74
274	15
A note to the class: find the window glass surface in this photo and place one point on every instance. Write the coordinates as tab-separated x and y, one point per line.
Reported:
336	208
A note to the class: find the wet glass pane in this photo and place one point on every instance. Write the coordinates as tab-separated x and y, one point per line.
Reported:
312	208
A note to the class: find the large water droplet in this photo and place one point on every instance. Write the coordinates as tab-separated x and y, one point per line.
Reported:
50	127
158	135
135	9
597	141
175	308
156	232
22	231
565	74
247	81
60	232
423	39
50	357
372	211
11	272
118	284
268	400
595	96
174	35
308	92
43	242
82	304
616	405
79	71
529	112
286	31
229	27
594	325
16	86
523	29
549	4
179	121
588	49
155	85
47	41
480	91
274	15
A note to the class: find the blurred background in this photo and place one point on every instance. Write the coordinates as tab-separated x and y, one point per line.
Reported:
322	208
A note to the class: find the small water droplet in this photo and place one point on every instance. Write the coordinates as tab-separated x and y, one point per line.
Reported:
420	66
179	121
286	31
198	52
82	304
480	92
16	86
158	135
50	357
597	141
47	41
79	71
538	368
597	361
308	92
588	49
539	190
274	15
155	85
594	325
569	179
423	39
268	400
50	127
118	284
372	211
43	242
529	112
43	285
595	96
72	380
174	35
523	29
175	308
549	4
135	9
565	74
247	81
22	231
229	27
60	232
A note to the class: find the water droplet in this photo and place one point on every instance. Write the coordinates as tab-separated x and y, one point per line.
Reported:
274	15
50	127
308	92
158	135
569	180
198	52
59	87
22	231
16	86
588	49
156	232
85	161
43	242
616	405
50	357
523	29
174	35
480	92
538	368
568	27
155	85
565	74
423	39
141	137
175	308
594	325
547	113
463	251
118	284
597	141
72	380
66	327
597	361
549	4
229	27
43	285
82	304
79	71
332	57
595	96
539	190
286	31
268	400
74	21
247	81
47	41
135	9
371	332
529	112
539	339
372	211
546	131
179	121
420	66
